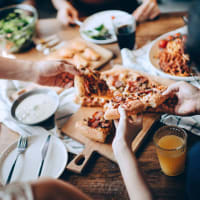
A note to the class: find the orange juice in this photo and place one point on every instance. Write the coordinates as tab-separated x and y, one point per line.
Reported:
171	154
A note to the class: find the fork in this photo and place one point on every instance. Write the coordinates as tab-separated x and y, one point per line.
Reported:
21	147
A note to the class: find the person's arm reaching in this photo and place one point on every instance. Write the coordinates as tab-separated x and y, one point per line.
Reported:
66	12
134	181
188	98
147	10
43	72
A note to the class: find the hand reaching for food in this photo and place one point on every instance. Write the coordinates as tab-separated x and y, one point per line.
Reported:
188	98
56	73
67	14
126	128
148	10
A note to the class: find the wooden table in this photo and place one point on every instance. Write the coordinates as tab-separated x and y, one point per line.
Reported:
102	179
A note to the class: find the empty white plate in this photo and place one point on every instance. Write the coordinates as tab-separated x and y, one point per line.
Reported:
29	162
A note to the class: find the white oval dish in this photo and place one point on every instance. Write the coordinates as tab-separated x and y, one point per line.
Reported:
97	19
28	164
154	51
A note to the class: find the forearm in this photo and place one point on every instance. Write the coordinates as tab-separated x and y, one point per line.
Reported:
59	4
135	184
16	69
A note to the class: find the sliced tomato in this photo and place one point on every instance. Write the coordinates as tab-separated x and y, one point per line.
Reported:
170	37
178	35
163	44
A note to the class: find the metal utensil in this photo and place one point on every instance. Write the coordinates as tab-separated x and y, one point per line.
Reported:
21	147
44	153
185	19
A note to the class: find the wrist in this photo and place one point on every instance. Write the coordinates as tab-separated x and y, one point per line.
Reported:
33	72
119	146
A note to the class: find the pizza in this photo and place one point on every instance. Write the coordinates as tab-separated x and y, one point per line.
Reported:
91	90
96	127
133	91
172	58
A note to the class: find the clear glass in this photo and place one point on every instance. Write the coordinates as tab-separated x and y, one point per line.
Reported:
171	146
124	28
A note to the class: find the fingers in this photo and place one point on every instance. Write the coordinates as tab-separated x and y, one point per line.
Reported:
148	10
66	67
139	11
155	12
172	89
123	120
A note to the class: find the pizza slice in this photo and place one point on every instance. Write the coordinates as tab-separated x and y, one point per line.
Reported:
91	90
96	127
136	93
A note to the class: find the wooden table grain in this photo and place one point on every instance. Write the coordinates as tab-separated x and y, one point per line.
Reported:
102	179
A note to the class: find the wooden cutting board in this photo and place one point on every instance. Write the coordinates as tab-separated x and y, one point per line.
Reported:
80	161
70	129
105	54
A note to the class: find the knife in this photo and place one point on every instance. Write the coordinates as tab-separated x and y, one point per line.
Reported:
44	153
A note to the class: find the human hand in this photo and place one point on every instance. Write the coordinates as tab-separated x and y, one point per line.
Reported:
148	10
188	98
67	14
126	129
58	73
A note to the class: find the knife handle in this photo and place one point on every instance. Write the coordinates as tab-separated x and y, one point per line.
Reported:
40	170
11	170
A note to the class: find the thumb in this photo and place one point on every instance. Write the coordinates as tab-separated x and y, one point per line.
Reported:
67	67
122	122
171	89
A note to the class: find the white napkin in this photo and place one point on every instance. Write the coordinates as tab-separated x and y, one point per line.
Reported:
66	109
138	60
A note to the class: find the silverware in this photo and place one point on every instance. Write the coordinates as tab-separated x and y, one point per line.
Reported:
185	19
21	147
44	153
46	45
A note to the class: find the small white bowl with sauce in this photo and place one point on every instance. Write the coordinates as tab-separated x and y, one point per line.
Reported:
36	107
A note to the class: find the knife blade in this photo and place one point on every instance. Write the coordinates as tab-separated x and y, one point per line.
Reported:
44	153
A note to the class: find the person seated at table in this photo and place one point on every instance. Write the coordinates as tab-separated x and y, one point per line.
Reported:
68	10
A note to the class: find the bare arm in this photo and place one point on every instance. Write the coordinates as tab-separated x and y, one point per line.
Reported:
16	69
50	73
134	181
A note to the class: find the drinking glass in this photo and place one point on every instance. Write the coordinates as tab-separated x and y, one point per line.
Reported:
171	145
125	31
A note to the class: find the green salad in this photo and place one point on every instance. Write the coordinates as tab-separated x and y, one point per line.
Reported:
98	33
16	30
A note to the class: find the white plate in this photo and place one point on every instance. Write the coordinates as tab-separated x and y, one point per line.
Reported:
28	164
96	20
154	51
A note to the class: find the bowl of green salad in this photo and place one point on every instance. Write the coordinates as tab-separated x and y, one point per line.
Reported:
17	27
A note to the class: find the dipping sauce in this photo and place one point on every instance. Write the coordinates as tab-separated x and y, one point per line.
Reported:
35	108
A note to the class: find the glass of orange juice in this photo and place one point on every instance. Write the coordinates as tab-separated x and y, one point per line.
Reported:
171	143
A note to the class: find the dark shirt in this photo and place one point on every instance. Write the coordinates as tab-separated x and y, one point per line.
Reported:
87	9
9	2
